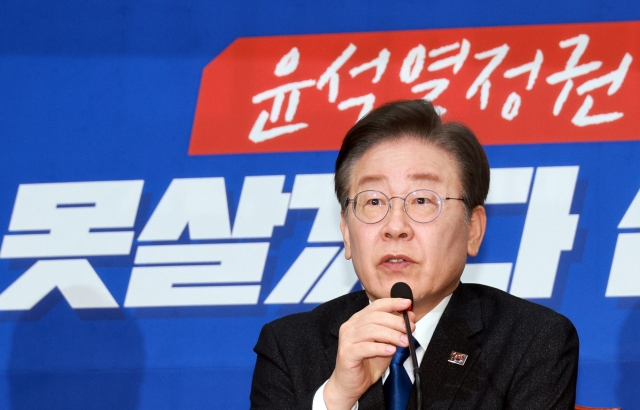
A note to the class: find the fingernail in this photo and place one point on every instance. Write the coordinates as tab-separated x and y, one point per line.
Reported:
404	339
390	349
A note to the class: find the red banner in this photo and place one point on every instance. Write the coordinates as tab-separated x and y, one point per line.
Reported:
511	85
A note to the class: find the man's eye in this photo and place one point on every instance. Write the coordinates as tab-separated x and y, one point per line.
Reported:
374	202
423	202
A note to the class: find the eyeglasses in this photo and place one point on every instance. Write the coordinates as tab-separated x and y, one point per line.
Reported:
421	206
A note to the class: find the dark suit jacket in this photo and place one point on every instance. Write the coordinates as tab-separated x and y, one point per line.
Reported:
521	355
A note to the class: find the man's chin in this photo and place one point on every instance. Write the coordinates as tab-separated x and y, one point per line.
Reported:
383	289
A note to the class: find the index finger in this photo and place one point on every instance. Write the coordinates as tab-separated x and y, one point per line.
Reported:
391	305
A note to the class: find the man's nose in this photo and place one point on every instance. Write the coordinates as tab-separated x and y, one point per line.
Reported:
397	223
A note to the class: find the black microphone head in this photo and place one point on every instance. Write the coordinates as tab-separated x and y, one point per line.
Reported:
402	290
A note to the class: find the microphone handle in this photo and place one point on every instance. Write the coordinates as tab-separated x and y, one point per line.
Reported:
412	349
414	359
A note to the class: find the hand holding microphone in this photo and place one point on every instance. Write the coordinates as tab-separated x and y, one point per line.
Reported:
367	341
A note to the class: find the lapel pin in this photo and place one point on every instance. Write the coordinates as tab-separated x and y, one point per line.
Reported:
458	358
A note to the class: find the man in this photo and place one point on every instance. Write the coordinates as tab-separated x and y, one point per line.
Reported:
412	191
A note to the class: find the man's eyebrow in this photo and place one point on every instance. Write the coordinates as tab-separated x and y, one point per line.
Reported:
425	176
370	178
421	176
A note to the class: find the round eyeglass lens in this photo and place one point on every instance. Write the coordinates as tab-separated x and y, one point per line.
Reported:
423	205
370	206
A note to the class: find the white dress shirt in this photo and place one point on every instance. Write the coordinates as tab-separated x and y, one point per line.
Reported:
423	333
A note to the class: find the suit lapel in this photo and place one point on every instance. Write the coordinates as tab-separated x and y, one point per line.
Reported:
441	380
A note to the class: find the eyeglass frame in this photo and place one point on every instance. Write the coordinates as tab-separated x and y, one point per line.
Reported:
404	207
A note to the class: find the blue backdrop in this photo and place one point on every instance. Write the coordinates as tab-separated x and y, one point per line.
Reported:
94	92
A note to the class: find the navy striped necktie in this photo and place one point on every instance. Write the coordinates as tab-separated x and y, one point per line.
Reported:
397	387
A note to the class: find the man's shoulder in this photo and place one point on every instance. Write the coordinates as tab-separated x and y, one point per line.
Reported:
501	306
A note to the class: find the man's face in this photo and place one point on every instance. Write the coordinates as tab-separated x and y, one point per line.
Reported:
429	257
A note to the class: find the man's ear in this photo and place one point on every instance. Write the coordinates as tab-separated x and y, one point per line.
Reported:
477	227
345	235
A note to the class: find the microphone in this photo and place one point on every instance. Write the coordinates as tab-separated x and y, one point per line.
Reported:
402	290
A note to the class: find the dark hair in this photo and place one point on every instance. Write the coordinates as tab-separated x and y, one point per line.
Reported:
415	119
